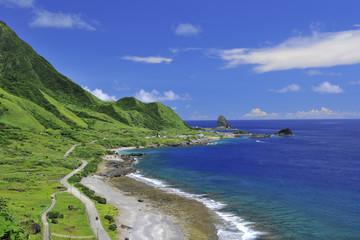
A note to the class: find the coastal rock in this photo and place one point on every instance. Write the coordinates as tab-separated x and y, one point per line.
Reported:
260	136
284	132
241	132
223	123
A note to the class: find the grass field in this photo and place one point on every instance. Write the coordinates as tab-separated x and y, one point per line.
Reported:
74	221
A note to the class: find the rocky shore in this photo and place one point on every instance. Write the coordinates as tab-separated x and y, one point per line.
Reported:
146	212
117	165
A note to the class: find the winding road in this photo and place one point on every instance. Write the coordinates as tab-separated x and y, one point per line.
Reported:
46	235
91	211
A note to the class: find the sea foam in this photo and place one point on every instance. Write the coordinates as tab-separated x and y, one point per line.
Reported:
232	226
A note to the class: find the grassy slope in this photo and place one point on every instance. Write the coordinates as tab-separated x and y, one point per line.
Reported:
43	113
25	74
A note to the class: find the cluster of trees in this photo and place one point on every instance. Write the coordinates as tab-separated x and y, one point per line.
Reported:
90	193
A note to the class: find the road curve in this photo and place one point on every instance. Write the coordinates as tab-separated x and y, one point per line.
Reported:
91	211
69	150
46	226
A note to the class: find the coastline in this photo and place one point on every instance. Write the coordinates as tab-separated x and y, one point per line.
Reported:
146	212
149	213
169	212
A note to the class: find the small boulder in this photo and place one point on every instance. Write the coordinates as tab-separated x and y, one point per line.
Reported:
54	221
284	132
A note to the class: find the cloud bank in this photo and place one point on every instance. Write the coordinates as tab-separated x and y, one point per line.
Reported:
100	94
258	113
316	51
156	96
322	113
46	19
148	59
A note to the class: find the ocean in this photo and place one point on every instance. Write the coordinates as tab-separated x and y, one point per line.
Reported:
301	187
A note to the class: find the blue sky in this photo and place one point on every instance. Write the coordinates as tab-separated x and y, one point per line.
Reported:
243	59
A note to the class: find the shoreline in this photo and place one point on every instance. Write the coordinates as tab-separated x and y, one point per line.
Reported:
149	213
194	216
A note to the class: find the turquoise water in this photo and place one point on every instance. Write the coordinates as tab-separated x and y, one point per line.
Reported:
301	187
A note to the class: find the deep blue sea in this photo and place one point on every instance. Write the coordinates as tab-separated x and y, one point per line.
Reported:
301	187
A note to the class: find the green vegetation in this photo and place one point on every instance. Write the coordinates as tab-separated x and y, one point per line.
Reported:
33	95
9	229
90	193
71	216
106	211
43	114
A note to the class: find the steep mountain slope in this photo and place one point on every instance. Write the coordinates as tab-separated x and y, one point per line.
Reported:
33	95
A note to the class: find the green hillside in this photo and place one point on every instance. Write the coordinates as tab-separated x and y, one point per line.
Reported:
36	96
42	115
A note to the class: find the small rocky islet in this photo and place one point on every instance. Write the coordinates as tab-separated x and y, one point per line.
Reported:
222	124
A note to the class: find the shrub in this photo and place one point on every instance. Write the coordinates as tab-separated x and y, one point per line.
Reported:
112	227
74	178
109	218
53	214
100	200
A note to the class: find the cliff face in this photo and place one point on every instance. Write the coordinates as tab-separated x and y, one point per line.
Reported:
222	123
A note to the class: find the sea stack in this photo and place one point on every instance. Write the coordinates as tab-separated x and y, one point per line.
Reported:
222	123
284	132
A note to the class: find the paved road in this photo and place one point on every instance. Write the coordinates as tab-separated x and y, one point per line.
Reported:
46	235
91	211
70	150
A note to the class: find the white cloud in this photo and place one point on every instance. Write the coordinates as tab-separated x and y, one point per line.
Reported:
322	113
315	51
148	59
313	114
188	106
100	94
174	108
354	82
186	29
17	3
289	88
258	113
44	18
326	87
155	96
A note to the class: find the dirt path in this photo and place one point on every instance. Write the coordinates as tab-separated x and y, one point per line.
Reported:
46	235
91	211
70	150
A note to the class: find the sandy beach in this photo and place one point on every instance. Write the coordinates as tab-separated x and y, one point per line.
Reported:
158	215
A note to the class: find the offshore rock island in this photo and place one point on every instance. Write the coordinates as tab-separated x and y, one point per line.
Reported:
222	124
